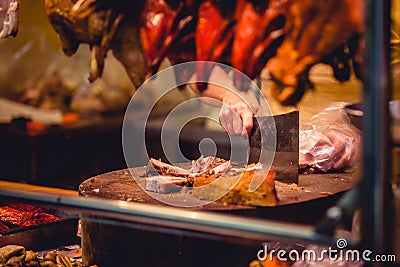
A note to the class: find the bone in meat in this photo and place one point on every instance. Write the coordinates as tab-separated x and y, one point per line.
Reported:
208	166
167	169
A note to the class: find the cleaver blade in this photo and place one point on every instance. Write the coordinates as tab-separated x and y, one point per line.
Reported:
283	139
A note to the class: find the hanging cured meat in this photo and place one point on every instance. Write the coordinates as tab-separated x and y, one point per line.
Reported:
104	25
287	37
214	34
258	34
314	29
167	31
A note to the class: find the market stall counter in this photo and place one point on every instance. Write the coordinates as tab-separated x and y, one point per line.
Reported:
115	245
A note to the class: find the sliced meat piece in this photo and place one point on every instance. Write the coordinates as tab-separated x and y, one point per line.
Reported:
9	18
206	167
211	166
164	184
204	164
167	169
216	168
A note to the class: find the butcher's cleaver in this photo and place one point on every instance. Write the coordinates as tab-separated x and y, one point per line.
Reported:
279	134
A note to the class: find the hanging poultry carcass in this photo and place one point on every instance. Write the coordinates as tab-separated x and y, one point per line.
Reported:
214	35
317	31
287	37
104	25
258	34
167	30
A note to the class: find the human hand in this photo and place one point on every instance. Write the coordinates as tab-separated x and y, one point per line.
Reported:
345	149
237	111
238	107
331	150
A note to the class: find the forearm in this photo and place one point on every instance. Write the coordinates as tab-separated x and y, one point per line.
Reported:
219	89
238	107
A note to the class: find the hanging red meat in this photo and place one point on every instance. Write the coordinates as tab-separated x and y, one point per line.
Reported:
286	36
214	33
167	31
258	34
155	32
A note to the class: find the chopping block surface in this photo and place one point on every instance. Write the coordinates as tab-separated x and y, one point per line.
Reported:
120	185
